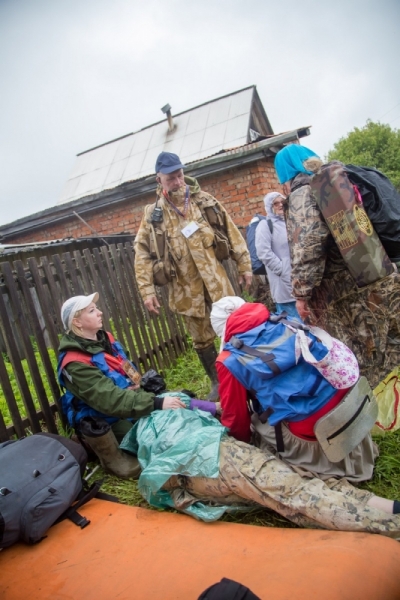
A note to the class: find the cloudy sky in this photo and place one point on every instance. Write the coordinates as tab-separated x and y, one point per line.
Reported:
78	73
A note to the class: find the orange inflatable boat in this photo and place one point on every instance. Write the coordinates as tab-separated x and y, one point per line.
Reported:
138	554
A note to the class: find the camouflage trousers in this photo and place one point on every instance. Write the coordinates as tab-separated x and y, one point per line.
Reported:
366	319
249	476
200	330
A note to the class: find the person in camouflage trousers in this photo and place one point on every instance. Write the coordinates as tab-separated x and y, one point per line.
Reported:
366	319
198	278
249	476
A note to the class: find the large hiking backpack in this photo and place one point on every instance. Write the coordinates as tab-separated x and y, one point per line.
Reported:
257	266
40	478
382	203
342	207
292	371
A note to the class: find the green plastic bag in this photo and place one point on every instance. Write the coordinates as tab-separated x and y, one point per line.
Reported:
176	442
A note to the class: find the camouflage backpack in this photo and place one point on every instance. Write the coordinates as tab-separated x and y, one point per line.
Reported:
342	208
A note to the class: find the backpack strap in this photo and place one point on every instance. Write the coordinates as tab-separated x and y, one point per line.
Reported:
110	337
270	225
211	213
93	492
280	444
76	356
268	358
281	318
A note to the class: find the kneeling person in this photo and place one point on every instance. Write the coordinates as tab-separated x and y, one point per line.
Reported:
258	362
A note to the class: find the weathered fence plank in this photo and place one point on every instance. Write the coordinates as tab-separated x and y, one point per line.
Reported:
71	268
12	405
63	281
97	287
126	309
145	330
26	341
117	292
82	267
44	300
14	356
41	344
53	288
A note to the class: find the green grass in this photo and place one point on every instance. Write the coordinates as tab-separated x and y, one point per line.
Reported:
188	373
386	480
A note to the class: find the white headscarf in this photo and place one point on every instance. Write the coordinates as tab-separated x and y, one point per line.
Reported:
220	312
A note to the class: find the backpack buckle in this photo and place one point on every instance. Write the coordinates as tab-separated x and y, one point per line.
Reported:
236	343
277	318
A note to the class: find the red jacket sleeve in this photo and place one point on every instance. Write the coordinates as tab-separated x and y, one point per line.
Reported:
235	410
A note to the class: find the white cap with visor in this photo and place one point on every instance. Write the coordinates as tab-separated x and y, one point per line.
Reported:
72	305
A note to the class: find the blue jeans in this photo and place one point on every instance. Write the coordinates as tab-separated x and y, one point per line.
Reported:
289	307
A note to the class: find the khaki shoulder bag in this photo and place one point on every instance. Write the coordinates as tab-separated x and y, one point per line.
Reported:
215	219
163	270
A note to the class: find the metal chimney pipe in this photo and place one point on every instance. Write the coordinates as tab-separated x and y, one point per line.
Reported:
167	111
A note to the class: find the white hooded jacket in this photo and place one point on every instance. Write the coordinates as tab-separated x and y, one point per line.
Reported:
273	250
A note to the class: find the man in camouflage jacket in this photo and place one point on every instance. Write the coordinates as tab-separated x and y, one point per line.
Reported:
199	278
367	318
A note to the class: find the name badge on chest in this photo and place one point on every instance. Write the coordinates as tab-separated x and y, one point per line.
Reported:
189	229
131	372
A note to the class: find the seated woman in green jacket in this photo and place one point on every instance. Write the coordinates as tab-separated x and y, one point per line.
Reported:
103	394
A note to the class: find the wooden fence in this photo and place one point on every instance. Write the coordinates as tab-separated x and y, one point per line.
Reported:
32	293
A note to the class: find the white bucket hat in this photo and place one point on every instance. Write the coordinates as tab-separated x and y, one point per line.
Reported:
72	305
220	312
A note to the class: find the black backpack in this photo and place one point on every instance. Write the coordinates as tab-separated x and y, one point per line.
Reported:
40	478
382	203
228	589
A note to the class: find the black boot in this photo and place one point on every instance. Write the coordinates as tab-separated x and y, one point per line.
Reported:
207	357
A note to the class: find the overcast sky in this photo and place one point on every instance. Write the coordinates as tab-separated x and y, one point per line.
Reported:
78	73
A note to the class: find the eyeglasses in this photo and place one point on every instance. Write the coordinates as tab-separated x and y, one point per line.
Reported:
278	203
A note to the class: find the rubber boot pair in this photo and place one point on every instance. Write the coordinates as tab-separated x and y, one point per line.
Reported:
101	439
207	357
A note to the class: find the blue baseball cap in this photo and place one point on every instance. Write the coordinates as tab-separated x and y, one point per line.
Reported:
167	162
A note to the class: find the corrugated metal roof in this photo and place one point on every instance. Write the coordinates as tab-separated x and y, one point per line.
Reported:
200	132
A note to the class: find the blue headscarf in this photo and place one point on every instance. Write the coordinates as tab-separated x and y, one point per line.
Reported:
289	161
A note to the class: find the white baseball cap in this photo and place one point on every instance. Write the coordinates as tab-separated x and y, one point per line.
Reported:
72	305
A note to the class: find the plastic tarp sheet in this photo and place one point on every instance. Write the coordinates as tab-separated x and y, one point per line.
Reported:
176	442
387	395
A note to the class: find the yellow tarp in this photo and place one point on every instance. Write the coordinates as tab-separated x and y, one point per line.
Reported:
387	395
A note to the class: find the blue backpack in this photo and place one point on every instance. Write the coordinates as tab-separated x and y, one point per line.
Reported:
257	266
